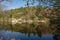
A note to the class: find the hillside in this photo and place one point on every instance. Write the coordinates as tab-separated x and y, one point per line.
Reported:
28	13
29	18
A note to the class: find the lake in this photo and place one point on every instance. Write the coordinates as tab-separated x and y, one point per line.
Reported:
9	35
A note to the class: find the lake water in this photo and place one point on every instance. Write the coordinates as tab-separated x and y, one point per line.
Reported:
9	35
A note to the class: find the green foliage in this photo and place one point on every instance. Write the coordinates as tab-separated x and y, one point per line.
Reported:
33	16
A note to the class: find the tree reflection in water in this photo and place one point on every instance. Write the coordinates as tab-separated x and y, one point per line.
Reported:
28	34
39	31
56	37
39	34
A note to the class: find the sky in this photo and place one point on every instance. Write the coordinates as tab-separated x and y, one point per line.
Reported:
14	4
18	3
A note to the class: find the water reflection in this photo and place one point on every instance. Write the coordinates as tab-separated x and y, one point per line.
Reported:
56	36
8	35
